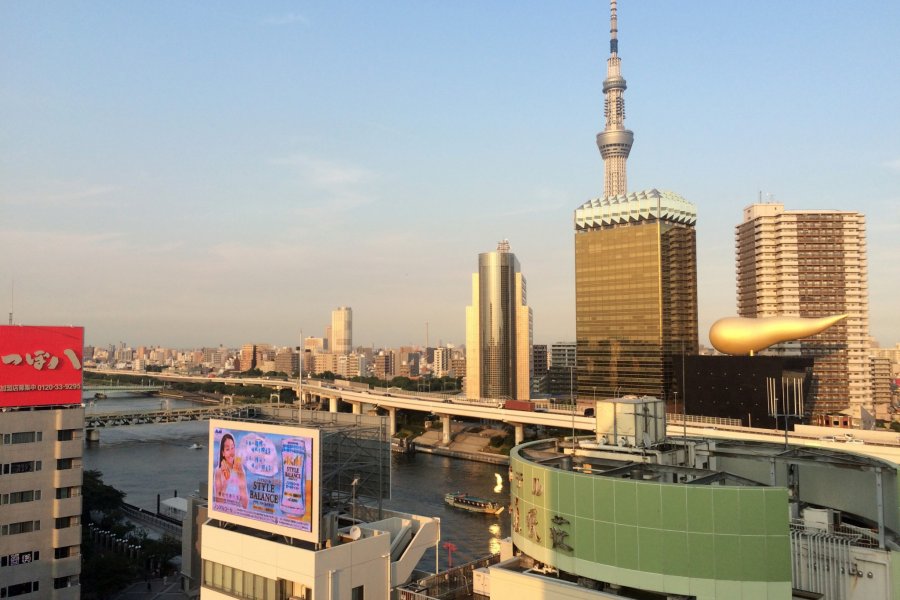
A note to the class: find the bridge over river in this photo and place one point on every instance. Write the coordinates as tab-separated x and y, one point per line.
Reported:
95	388
95	421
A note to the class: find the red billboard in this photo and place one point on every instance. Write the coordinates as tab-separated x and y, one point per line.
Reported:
40	365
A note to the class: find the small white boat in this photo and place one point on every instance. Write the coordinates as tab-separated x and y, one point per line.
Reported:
196	446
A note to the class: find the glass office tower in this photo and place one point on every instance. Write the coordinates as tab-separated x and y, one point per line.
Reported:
635	292
498	329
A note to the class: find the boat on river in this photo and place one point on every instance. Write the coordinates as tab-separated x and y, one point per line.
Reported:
473	503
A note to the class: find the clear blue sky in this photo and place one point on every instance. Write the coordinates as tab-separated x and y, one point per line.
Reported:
196	173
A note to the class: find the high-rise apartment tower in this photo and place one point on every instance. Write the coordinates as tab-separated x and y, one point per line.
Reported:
811	263
342	330
498	329
635	269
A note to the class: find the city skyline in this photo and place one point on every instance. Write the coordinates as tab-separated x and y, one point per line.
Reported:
232	175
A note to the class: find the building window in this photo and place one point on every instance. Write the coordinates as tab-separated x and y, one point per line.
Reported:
20	527
17	497
68	492
22	437
65	435
238	583
64	582
67	463
18	589
66	551
358	593
27	466
63	522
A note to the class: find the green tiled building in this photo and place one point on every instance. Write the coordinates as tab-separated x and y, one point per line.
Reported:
699	518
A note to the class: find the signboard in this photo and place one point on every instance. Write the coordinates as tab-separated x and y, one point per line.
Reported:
265	477
40	366
19	558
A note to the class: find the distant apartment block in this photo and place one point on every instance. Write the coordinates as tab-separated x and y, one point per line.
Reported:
458	366
287	360
384	365
351	365
407	364
342	330
882	390
440	366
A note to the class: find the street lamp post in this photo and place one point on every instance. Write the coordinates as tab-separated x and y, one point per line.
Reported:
572	399
354	483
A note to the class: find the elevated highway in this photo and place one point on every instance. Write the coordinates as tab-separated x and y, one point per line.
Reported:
445	406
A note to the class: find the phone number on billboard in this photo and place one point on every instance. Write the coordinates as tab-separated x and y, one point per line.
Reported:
54	387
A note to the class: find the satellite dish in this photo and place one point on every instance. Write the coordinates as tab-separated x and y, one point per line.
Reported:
355	533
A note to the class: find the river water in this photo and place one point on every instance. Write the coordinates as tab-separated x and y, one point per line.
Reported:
146	460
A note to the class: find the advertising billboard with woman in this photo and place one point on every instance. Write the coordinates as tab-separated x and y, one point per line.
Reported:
265	476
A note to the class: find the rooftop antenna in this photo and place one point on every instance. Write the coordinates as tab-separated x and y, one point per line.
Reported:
300	382
12	299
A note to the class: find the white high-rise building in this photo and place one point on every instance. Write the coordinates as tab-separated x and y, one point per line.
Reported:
498	329
441	364
811	263
342	330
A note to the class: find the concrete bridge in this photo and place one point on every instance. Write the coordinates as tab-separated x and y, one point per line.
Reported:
94	422
131	389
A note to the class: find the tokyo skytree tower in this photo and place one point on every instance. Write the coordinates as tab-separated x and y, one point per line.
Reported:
614	141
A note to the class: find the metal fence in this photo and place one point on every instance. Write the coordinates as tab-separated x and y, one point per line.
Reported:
447	585
680	418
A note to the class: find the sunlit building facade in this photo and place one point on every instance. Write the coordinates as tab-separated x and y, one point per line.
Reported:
498	329
635	292
342	330
811	263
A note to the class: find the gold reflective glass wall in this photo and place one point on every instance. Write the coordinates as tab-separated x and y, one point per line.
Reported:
636	304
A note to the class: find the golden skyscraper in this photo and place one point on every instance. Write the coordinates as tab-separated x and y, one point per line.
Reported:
635	269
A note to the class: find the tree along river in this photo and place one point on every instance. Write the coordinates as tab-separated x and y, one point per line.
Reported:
146	460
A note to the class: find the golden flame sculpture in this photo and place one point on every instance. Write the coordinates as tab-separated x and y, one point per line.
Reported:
738	335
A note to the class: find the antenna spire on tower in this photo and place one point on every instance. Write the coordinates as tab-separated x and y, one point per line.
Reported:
613	29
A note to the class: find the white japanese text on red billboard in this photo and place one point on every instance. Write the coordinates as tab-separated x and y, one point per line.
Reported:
264	474
40	365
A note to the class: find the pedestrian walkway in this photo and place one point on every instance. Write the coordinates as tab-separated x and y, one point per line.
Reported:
158	590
